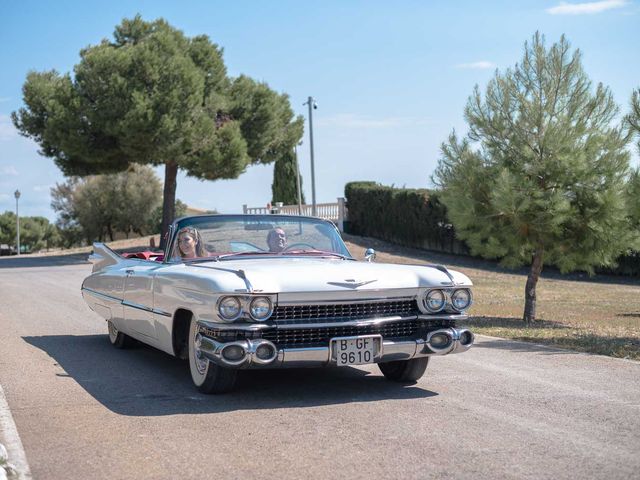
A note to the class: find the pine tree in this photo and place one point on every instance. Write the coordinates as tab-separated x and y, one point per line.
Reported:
540	177
633	118
157	97
633	121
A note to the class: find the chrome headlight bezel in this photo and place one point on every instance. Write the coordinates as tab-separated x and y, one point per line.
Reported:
468	292
244	307
269	312
434	291
219	307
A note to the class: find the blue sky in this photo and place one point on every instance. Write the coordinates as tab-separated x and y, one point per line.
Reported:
391	78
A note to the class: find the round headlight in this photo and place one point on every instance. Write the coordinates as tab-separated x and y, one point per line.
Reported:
260	308
461	299
229	308
435	300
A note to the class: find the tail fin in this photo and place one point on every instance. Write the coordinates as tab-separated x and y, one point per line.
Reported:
103	256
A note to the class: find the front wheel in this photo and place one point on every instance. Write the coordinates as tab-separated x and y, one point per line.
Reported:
207	376
404	370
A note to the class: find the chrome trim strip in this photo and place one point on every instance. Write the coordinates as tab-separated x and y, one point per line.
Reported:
240	273
125	303
444	270
138	306
452	317
352	323
368	321
403	298
243	275
252	327
244	327
100	295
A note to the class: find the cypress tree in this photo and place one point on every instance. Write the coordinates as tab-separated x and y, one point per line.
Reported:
284	188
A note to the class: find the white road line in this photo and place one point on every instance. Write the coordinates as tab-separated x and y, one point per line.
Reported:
13	444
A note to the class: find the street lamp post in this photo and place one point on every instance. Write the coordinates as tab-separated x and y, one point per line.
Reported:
17	195
312	106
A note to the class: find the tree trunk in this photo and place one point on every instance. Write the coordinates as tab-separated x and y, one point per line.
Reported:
168	200
530	288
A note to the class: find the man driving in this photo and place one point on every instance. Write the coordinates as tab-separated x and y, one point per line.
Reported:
277	240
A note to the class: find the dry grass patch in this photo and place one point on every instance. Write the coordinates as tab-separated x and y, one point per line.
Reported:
598	315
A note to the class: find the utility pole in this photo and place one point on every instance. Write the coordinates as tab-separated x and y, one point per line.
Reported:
312	106
295	154
17	195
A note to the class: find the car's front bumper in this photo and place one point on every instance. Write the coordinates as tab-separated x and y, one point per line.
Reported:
461	340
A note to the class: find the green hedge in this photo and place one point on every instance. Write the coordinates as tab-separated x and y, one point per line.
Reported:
410	217
628	265
417	218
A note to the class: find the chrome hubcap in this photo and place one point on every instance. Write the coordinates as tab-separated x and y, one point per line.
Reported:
113	331
200	360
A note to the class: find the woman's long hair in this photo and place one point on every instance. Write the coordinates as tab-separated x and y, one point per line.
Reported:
195	234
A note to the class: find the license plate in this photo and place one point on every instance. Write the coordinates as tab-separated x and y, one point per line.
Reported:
355	350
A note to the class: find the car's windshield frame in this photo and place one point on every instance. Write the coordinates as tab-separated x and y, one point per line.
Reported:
194	221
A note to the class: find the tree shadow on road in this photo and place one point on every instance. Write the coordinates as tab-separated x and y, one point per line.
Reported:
144	381
28	261
31	261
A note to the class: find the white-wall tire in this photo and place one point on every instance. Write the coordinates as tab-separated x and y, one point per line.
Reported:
207	376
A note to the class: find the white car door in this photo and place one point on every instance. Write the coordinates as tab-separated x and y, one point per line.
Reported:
138	298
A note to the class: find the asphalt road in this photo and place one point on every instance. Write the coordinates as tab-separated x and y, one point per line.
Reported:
502	410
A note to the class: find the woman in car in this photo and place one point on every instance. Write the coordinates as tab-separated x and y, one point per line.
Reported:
190	244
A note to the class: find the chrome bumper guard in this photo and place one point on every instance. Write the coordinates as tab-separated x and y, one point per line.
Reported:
459	340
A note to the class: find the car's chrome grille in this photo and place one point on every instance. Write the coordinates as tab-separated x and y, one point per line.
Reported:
316	337
342	312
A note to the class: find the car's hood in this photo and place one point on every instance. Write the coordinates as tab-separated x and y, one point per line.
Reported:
275	275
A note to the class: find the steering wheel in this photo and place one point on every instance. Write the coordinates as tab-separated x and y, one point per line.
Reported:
297	246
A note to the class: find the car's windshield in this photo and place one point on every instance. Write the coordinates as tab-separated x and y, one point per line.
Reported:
222	237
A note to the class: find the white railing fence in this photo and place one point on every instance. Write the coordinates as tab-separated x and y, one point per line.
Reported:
336	212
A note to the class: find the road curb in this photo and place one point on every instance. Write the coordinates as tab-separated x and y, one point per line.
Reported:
11	440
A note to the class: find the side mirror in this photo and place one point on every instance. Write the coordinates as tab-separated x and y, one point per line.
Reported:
370	255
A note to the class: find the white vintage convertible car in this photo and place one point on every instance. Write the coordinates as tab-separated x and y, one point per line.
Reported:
233	292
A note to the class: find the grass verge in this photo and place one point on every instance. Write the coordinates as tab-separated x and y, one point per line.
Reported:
599	314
